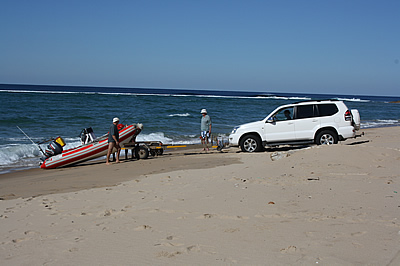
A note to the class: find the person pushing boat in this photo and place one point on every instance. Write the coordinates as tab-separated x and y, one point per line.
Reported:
113	140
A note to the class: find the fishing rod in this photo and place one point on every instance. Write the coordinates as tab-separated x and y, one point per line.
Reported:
126	118
31	140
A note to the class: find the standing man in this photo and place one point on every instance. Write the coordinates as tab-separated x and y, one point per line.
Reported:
205	129
113	140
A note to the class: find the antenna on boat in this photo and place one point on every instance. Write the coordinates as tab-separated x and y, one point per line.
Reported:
31	140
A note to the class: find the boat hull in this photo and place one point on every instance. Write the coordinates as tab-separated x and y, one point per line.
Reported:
89	151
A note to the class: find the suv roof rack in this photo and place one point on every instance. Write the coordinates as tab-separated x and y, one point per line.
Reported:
324	100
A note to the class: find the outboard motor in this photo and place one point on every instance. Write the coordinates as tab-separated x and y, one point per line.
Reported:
87	135
54	148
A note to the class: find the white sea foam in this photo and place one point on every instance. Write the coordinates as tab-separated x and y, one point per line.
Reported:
380	123
273	97
353	100
159	136
13	153
31	91
18	156
183	94
186	114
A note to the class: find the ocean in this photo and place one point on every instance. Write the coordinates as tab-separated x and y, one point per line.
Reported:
171	116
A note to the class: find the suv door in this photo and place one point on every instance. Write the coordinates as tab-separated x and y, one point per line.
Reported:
307	121
281	128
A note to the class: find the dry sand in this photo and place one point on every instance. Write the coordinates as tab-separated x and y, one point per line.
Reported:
321	205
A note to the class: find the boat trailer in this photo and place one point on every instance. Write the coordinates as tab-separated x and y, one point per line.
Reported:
144	149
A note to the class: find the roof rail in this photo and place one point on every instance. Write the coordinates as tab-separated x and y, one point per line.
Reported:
324	100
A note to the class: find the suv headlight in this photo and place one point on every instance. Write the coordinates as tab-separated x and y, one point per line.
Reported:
234	129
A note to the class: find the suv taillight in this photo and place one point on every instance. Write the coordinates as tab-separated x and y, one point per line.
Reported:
347	116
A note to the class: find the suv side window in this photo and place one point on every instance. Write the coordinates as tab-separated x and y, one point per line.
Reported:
284	114
327	109
305	111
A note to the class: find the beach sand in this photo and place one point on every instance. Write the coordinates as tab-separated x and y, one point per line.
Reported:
317	205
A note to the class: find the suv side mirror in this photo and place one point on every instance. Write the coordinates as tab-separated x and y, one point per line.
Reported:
271	119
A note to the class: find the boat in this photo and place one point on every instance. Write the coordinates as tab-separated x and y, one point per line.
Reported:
91	147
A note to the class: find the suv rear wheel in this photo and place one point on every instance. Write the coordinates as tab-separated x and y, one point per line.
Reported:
326	137
251	143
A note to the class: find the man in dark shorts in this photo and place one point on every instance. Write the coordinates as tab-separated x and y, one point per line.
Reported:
113	140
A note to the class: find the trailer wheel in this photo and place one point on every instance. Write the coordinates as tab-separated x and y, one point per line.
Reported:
159	151
141	153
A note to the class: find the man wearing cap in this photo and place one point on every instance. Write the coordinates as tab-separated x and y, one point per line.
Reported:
113	140
205	129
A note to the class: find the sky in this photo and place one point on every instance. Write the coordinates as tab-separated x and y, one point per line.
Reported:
308	46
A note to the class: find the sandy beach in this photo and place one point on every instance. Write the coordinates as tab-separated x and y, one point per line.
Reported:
317	205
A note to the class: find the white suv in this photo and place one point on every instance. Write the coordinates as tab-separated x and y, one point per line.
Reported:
319	122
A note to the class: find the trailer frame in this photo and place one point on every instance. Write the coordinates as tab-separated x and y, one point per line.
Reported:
143	149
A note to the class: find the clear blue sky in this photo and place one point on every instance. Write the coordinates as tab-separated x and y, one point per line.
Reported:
321	46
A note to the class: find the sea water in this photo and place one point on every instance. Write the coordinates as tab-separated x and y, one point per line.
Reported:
169	116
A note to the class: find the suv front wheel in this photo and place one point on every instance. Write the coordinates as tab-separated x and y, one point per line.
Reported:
251	143
326	137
